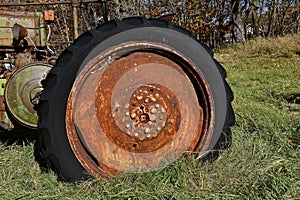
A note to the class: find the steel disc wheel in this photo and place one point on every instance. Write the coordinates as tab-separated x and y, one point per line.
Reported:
135	95
135	112
22	92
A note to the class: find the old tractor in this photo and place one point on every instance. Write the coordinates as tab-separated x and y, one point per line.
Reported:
132	95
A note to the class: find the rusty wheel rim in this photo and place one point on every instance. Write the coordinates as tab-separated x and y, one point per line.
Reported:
134	108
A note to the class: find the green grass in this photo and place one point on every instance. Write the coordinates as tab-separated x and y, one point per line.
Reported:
263	162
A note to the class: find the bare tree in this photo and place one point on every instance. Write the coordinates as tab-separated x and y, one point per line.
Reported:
238	31
214	22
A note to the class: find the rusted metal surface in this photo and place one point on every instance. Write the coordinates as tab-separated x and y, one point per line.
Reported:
22	59
19	32
150	114
167	17
32	21
22	92
134	111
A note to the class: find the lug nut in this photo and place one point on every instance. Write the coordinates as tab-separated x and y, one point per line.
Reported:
147	130
133	115
153	110
153	99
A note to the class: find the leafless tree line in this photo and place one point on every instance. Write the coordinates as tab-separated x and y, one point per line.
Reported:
221	22
215	22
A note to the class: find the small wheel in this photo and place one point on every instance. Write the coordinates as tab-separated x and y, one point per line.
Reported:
132	96
22	92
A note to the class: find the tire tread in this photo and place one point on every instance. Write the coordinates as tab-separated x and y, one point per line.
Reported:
52	147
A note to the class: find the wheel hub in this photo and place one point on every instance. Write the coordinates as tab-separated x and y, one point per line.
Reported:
146	114
22	93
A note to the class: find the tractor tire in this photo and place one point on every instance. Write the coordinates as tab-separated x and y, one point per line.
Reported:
132	96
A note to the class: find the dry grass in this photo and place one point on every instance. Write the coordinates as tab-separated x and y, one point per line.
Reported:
263	162
286	46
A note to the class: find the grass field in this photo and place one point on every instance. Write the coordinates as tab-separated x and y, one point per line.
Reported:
262	163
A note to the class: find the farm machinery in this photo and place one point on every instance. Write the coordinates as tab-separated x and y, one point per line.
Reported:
132	95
